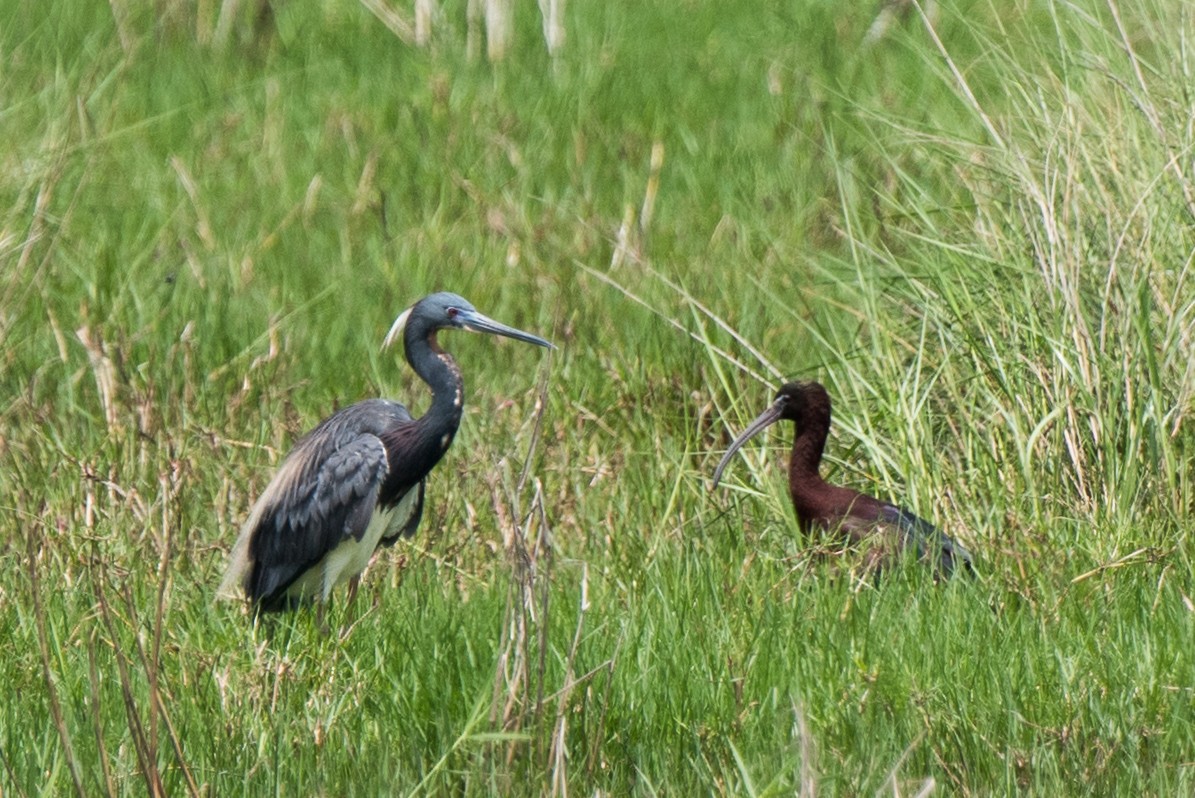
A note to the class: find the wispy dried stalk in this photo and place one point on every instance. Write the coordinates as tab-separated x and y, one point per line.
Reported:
103	370
807	775
497	28
647	210
393	20
171	489
553	14
424	11
473	29
632	233
203	225
43	644
519	677
557	757
144	745
120	20
97	723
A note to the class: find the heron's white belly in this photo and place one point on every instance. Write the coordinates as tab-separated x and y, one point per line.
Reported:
351	556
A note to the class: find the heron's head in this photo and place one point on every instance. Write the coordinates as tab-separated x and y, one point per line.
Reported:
451	311
800	402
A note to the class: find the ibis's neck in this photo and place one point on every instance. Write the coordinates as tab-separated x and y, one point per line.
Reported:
808	445
805	483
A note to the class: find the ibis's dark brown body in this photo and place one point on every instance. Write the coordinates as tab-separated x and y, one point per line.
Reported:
831	508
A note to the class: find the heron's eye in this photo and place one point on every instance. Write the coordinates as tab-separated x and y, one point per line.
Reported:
452	313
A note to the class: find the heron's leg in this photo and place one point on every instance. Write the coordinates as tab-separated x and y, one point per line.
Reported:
354	583
322	604
321	622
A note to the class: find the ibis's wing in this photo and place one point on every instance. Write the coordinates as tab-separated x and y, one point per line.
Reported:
927	541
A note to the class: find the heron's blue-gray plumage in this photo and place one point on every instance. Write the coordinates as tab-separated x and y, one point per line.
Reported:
356	481
327	491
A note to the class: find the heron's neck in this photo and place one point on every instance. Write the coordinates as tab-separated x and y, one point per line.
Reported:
442	375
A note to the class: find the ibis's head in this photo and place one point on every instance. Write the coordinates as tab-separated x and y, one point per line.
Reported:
800	402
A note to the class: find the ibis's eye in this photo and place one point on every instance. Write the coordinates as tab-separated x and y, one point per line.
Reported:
452	313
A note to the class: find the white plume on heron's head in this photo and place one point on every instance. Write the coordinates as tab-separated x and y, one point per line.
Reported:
396	329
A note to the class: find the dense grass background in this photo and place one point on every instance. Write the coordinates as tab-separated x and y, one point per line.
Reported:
974	225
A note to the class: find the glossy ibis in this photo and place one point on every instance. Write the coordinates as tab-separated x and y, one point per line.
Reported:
355	482
820	505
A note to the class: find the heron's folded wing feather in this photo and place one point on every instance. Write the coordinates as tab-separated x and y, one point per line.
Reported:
325	491
328	483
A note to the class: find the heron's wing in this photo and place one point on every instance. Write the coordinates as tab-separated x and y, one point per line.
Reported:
324	492
929	543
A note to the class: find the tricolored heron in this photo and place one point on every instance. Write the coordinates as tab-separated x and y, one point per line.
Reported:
355	482
820	505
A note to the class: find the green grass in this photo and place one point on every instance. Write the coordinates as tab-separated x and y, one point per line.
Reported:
975	230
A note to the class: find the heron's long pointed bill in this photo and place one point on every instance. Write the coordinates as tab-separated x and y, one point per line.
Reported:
764	420
476	322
